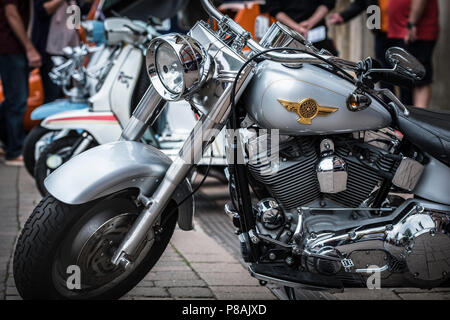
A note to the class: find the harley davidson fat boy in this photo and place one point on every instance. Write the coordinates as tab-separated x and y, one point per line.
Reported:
348	180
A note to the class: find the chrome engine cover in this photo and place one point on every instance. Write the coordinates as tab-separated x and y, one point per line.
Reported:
331	169
422	240
415	250
297	182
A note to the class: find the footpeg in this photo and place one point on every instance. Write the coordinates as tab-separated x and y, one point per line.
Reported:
347	264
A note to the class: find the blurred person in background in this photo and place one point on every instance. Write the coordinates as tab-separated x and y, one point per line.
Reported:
307	17
414	26
382	42
43	11
17	54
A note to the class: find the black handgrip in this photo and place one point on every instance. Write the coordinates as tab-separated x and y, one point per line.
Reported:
393	78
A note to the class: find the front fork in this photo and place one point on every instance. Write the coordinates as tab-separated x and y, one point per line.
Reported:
203	133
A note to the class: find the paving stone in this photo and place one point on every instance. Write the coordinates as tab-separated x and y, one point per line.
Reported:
224	279
145	298
10	282
169	267
146	283
179	275
217	267
208	257
190	292
148	292
180	283
11	291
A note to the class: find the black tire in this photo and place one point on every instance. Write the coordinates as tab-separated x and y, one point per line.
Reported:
29	147
61	146
142	85
51	227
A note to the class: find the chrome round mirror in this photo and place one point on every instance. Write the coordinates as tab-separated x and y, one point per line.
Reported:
405	63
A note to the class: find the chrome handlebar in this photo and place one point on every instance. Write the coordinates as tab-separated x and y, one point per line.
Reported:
289	57
276	56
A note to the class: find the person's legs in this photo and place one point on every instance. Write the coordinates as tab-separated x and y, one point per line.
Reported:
51	90
423	51
422	96
14	74
406	94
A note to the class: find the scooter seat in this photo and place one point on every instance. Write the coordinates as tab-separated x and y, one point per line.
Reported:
429	130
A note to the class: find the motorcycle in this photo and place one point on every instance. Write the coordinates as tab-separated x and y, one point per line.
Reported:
328	182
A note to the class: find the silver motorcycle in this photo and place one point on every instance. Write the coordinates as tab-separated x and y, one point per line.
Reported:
347	180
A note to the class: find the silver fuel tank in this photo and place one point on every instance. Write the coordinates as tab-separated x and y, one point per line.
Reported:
275	89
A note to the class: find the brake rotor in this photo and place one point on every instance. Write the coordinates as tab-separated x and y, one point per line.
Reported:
94	258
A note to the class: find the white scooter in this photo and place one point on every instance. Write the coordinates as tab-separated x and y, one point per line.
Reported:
78	82
110	107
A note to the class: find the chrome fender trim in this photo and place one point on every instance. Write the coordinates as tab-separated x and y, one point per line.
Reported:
113	167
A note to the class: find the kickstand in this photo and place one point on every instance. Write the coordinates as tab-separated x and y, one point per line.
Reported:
290	293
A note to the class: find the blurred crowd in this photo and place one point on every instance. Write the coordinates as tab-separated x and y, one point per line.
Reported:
25	27
410	24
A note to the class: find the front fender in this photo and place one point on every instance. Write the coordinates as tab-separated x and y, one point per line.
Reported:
114	167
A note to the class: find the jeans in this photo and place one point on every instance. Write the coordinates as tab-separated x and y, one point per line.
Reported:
14	74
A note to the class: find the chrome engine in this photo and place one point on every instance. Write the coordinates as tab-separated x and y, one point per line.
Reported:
302	179
319	210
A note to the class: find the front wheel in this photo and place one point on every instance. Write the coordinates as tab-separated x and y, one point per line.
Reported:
35	142
58	238
53	156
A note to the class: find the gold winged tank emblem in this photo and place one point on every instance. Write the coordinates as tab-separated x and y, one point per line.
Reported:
307	109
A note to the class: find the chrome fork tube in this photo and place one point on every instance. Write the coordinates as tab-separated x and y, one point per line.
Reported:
205	130
147	111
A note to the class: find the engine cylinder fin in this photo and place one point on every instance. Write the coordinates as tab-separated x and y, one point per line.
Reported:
295	184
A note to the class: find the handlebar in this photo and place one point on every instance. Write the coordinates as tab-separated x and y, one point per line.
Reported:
393	78
276	56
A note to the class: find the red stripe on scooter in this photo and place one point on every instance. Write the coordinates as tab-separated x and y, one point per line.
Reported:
97	118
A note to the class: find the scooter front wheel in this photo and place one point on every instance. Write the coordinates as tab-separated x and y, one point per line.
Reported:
61	242
38	133
53	156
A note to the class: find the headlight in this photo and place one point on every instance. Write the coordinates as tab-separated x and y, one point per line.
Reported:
177	65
